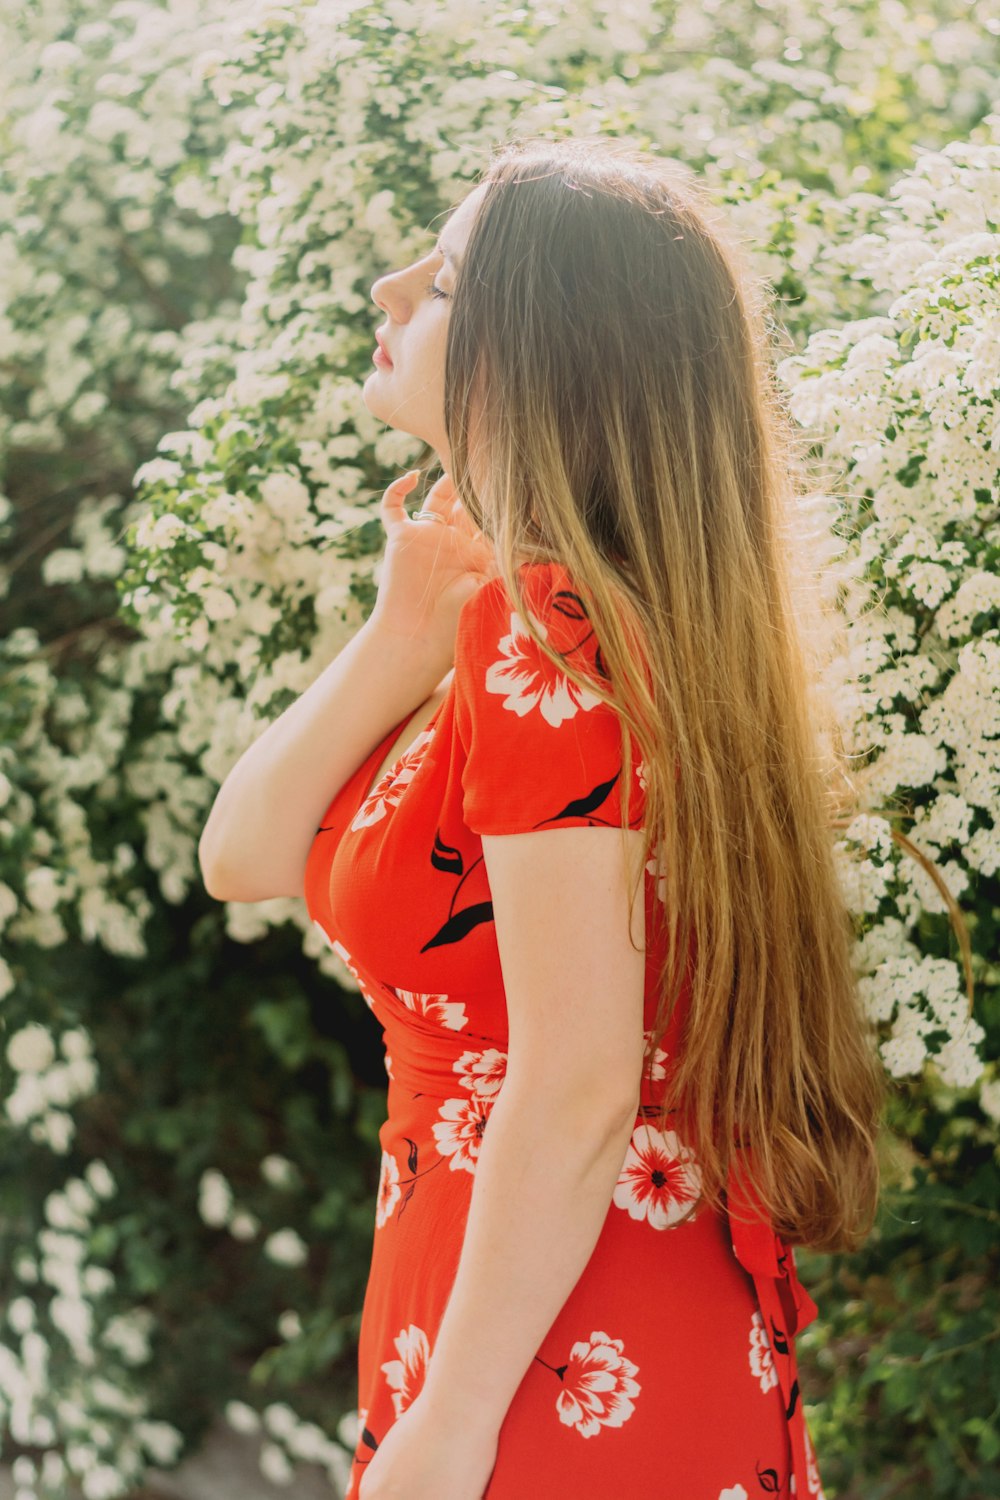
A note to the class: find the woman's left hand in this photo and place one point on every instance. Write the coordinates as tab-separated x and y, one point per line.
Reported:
423	1458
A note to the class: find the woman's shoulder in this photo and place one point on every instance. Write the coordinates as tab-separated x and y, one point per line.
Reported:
548	592
498	647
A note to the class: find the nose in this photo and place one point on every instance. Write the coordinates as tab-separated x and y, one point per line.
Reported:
388	293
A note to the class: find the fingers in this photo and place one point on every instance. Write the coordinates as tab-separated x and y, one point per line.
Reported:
392	499
440	497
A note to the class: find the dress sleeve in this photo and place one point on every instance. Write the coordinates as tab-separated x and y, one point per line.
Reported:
540	752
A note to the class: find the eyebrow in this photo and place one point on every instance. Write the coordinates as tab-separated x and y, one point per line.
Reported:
455	260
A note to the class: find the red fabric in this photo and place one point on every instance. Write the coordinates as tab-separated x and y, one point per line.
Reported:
670	1369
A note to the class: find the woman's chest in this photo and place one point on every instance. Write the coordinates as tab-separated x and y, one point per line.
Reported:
407	890
412	731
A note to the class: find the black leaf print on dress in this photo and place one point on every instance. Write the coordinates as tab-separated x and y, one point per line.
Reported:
460	925
768	1480
369	1439
582	807
406	1198
569	604
411	1155
793	1397
446	858
779	1341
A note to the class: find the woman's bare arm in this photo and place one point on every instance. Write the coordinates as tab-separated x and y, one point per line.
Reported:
544	1178
557	1136
257	838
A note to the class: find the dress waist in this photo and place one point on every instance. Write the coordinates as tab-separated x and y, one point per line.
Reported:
424	1057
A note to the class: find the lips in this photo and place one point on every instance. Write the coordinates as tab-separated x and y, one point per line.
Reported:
381	343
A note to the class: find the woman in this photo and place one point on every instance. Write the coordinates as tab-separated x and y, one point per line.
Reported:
585	673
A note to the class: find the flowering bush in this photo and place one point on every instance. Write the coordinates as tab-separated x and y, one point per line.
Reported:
196	212
909	403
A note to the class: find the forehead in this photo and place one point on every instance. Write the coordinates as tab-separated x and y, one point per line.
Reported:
457	226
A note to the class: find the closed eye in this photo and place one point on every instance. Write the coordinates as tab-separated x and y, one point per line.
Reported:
435	291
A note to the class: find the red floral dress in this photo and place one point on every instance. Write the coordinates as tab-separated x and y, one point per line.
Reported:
671	1366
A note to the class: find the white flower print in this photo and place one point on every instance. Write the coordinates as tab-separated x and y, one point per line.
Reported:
812	1473
530	680
654	1068
597	1386
640	771
346	960
482	1072
657	871
736	1493
450	1013
387	792
389	1191
459	1130
323	932
761	1358
406	1376
660	1181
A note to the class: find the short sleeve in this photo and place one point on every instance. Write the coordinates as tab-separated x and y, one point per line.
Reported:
540	751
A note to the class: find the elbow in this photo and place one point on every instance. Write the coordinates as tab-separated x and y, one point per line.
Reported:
211	876
586	1105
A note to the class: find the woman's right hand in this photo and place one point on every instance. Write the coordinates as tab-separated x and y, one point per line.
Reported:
429	569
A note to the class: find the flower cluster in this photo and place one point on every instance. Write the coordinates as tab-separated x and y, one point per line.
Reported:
907	403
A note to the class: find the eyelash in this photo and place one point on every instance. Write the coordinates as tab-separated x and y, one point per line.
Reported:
435	291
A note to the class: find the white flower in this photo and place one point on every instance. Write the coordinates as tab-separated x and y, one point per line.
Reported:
599	1385
274	1464
43	888
75	1045
241	1417
243	1225
218	603
278	1170
289	1324
286	1247
989	1098
389	1192
482	1072
31	1050
286	495
158	471
762	1365
391	785
405	1376
957	1061
459	1130
280	1419
903	1055
215	1198
63	565
660	1180
166	530
528	680
436	1007
162	1441
6	979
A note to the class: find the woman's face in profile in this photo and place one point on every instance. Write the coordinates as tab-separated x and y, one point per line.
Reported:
409	393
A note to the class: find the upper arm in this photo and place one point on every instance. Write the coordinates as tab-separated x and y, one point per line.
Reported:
545	786
574	983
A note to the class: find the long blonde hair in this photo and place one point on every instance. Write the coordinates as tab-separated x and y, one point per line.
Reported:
608	370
